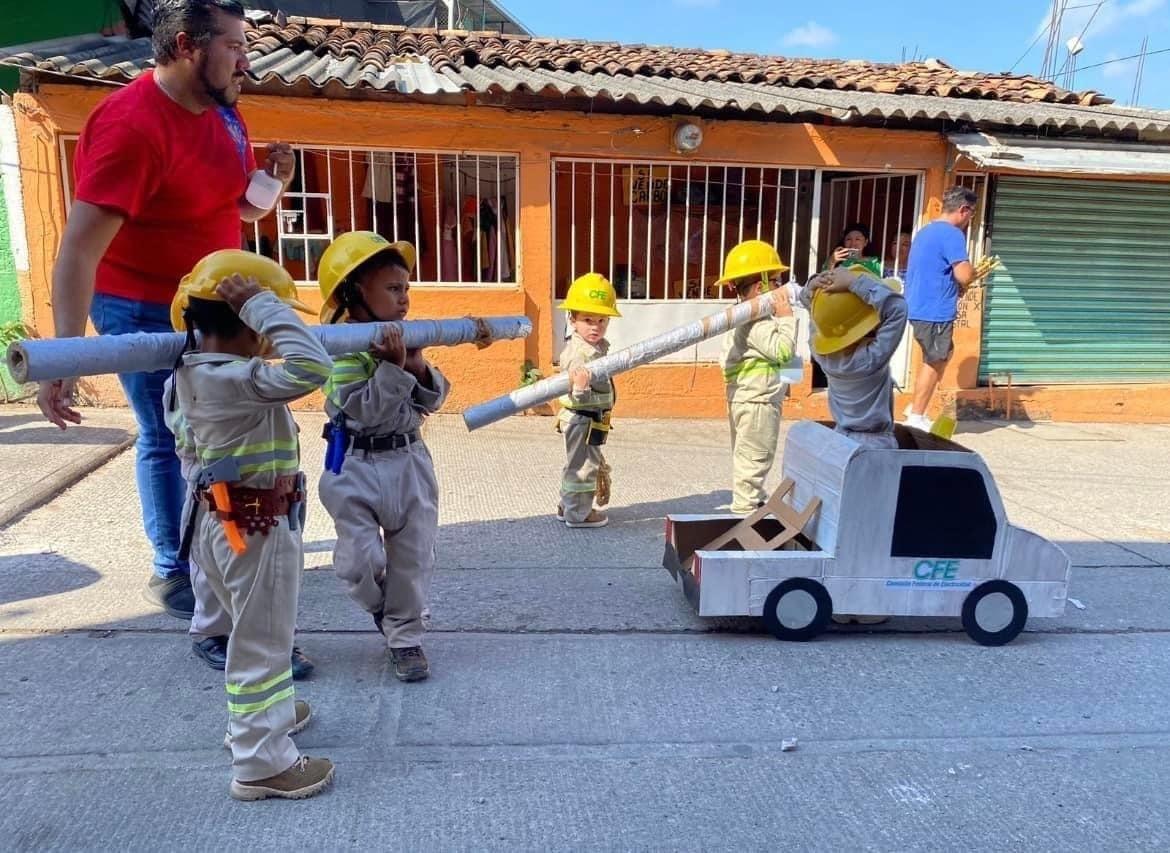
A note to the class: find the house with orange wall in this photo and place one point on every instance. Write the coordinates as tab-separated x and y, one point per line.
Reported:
516	163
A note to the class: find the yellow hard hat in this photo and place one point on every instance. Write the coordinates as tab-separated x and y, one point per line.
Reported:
751	257
344	255
593	294
214	268
842	319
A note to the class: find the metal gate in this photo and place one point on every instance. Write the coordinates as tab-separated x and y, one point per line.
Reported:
1083	294
889	205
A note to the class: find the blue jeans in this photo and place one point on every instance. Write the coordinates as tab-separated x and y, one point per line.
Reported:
161	487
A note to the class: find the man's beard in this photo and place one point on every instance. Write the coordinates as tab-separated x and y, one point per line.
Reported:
225	97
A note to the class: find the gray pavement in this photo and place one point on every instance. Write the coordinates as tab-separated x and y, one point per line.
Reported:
38	461
577	702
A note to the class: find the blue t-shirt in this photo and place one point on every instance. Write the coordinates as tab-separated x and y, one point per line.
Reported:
931	292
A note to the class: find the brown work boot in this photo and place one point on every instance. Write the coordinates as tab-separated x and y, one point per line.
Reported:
304	715
306	777
410	664
594	519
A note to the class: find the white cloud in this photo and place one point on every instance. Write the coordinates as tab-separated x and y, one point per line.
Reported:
1113	70
811	34
1112	15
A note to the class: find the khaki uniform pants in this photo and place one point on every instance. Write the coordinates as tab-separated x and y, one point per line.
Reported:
385	509
579	478
210	618
755	430
258	590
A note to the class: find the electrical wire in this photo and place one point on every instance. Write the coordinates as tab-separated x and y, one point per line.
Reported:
1124	58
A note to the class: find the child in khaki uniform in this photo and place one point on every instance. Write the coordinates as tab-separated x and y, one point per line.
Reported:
246	514
585	412
753	357
858	321
380	485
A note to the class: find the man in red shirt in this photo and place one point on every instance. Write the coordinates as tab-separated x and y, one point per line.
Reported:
162	167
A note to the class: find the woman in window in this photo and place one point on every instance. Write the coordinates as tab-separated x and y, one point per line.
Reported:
855	247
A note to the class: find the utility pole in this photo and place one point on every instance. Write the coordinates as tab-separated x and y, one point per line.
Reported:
1052	49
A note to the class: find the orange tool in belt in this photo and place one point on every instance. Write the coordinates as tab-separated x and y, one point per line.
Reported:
223	506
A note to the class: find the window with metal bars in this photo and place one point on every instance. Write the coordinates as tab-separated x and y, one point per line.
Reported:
660	230
885	204
977	230
458	209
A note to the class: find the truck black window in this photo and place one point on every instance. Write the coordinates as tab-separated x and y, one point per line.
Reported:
943	513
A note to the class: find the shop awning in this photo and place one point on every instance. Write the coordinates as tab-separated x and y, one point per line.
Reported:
1017	154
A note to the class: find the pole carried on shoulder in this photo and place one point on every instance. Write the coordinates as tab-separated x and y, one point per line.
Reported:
62	358
623	360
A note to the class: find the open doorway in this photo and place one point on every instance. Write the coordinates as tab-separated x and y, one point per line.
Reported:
886	205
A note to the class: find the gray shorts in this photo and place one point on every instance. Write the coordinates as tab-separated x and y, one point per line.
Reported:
936	340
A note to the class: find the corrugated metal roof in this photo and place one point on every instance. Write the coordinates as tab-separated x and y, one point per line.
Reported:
117	58
1040	155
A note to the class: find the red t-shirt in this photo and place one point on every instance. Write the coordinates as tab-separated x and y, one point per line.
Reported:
177	177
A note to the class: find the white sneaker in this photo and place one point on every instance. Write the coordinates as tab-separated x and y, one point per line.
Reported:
921	422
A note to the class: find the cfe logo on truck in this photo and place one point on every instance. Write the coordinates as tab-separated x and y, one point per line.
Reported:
936	569
932	574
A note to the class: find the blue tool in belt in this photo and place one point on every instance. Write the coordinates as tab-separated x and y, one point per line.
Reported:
336	436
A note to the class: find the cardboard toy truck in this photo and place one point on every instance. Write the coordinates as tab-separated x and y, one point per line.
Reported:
917	531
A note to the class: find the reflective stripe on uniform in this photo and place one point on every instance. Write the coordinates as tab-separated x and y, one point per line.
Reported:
748	367
277	457
358	367
248	699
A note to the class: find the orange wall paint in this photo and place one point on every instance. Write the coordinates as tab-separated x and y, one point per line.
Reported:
664	390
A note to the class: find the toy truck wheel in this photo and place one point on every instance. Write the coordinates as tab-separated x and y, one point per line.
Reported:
797	610
987	625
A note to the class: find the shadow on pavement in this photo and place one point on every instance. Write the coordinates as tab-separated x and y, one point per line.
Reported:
29	576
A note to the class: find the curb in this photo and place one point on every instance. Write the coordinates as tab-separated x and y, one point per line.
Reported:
55	482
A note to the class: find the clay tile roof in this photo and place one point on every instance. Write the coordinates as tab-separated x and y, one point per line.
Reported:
455	50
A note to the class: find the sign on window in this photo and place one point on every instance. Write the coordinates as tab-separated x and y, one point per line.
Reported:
646	185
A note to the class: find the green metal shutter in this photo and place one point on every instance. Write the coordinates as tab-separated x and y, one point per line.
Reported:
1084	291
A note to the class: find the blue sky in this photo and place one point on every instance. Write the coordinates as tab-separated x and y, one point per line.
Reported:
990	35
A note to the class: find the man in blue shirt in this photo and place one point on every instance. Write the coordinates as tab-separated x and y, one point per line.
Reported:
937	274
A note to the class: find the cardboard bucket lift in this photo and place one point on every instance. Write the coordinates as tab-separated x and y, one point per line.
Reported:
917	531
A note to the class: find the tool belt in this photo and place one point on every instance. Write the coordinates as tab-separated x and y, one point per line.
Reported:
600	423
258	510
386	441
341	441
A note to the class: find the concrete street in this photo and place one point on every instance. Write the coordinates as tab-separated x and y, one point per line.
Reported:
576	701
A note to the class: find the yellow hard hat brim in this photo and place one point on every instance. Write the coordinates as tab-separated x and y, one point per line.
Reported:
293	302
589	308
327	312
827	345
727	279
400	247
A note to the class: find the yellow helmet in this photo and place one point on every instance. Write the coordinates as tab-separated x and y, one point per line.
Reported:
593	294
751	257
842	319
344	255
214	268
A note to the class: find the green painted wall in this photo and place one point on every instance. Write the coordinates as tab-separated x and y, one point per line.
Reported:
38	21
9	292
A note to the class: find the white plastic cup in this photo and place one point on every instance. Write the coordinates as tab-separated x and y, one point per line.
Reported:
263	190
